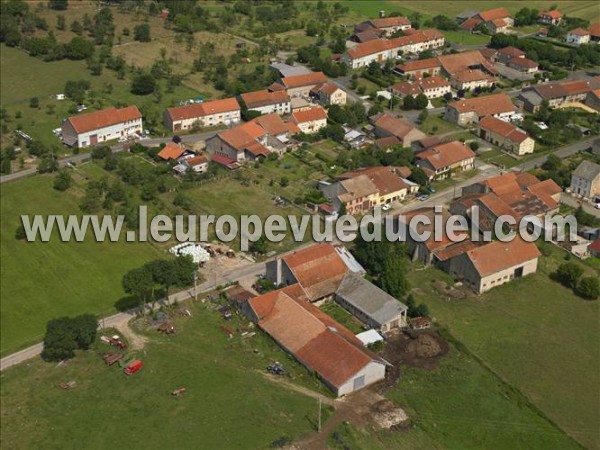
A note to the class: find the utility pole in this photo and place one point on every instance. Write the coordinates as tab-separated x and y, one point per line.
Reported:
319	425
195	285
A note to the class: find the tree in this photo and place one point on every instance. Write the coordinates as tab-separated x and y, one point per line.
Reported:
423	115
419	177
141	32
568	274
20	233
408	103
261	246
421	101
63	180
393	276
79	48
284	181
588	288
143	84
138	282
34	102
76	27
66	334
58	5
163	273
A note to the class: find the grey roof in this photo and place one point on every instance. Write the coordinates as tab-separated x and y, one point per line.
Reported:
467	14
532	97
587	170
289	71
368	298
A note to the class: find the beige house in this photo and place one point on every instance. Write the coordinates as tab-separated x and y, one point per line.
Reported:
387	125
329	94
585	180
505	135
442	160
495	263
208	114
311	120
301	85
578	36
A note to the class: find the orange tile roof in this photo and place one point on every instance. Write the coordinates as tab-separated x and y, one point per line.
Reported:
497	256
497	206
386	142
470	75
196	160
315	339
405	88
454	250
595	29
307	79
554	14
171	151
420	64
394	125
523	62
447	154
256	99
328	88
499	23
471	23
466	60
546	191
243	135
525	179
502	128
579	32
318	269
383	177
433	82
495	13
558	89
272	123
485	105
203	109
96	120
389	22
309	115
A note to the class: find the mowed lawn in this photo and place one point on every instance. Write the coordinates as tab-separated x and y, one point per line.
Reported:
41	281
229	404
537	336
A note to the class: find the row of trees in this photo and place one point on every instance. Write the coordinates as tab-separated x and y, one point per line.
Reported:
143	282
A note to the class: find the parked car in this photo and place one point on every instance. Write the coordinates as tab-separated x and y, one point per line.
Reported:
432	189
386	207
423	197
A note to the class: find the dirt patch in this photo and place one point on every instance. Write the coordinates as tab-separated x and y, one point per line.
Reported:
386	414
451	292
420	349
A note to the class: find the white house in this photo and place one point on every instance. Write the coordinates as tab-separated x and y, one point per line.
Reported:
578	36
207	114
267	102
101	126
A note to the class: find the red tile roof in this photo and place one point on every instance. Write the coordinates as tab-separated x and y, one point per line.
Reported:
513	52
394	125
468	76
497	256
314	338
385	142
496	13
546	191
595	246
504	129
523	62
383	177
256	99
307	79
389	22
318	269
203	109
171	151
595	30
558	89
405	88
499	23
309	115
420	64
447	154
96	120
466	60
485	105
243	135
196	160
471	23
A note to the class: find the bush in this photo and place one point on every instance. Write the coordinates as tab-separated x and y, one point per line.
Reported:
588	288
568	274
63	180
474	146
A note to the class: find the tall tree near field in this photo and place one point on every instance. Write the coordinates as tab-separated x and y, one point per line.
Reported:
138	282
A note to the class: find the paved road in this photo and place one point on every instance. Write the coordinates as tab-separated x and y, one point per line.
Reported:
253	270
562	152
82	157
574	202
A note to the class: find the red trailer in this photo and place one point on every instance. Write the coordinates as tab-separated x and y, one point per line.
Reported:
133	367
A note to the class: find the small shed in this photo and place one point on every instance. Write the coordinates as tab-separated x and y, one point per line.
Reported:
369	337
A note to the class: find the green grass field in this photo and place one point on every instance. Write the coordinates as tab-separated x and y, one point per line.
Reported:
537	336
41	281
22	80
228	403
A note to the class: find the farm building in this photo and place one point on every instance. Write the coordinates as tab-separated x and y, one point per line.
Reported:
316	340
101	126
373	306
